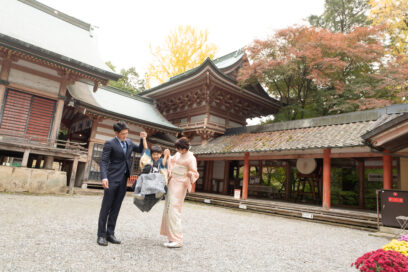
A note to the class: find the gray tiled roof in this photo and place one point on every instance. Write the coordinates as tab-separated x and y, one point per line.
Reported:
229	59
342	135
118	103
342	130
385	122
220	63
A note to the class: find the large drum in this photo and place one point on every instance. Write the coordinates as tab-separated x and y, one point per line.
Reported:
306	166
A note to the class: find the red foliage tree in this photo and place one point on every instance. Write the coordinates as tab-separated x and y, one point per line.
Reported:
314	72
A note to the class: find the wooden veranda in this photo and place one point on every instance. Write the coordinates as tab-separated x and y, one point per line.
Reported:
348	217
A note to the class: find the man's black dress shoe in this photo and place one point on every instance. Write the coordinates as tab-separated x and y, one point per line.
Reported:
102	241
112	239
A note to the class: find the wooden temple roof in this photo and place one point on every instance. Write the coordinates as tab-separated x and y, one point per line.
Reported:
336	131
220	69
51	37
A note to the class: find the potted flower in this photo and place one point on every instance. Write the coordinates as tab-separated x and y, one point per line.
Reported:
382	260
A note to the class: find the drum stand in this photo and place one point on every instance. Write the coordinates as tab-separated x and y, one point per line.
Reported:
314	182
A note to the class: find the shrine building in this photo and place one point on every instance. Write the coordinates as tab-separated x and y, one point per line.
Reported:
55	108
56	111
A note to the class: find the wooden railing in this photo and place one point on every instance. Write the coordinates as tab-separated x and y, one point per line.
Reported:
201	124
38	141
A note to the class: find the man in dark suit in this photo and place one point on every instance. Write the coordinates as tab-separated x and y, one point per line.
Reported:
115	170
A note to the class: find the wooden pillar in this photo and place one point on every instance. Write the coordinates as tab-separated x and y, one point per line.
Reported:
209	175
361	180
206	166
246	177
326	178
387	171
60	106
25	158
4	76
205	177
288	175
49	160
226	178
73	175
404	173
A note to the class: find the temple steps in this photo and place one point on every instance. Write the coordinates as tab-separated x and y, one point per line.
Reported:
361	219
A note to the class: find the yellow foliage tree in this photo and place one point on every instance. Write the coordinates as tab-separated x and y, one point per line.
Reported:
394	15
185	48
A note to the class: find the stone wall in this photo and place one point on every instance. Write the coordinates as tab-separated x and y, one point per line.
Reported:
21	179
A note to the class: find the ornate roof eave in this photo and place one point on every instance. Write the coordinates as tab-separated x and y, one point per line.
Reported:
231	67
56	60
196	73
142	123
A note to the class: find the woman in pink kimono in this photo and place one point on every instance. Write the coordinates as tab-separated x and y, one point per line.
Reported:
182	169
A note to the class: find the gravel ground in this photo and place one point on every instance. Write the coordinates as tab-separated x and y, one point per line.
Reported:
58	233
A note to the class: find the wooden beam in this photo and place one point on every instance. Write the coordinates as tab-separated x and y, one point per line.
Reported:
29	89
291	156
326	179
60	106
35	72
246	177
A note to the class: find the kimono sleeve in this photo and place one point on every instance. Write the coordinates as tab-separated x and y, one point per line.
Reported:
192	172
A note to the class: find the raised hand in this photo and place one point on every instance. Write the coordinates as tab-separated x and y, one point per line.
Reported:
143	134
166	152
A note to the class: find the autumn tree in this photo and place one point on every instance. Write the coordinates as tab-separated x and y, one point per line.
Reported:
129	82
394	15
341	15
184	48
315	72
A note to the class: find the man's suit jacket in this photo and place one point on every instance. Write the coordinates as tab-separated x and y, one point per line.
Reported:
115	164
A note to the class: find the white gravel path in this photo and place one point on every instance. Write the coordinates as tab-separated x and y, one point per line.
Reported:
58	233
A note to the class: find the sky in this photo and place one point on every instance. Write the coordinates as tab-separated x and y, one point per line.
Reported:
126	28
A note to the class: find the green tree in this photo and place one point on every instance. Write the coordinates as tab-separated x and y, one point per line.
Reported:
341	15
129	82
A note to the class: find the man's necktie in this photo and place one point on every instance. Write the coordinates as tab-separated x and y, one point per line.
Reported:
123	146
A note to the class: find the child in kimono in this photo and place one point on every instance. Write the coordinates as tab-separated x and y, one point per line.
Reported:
154	159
